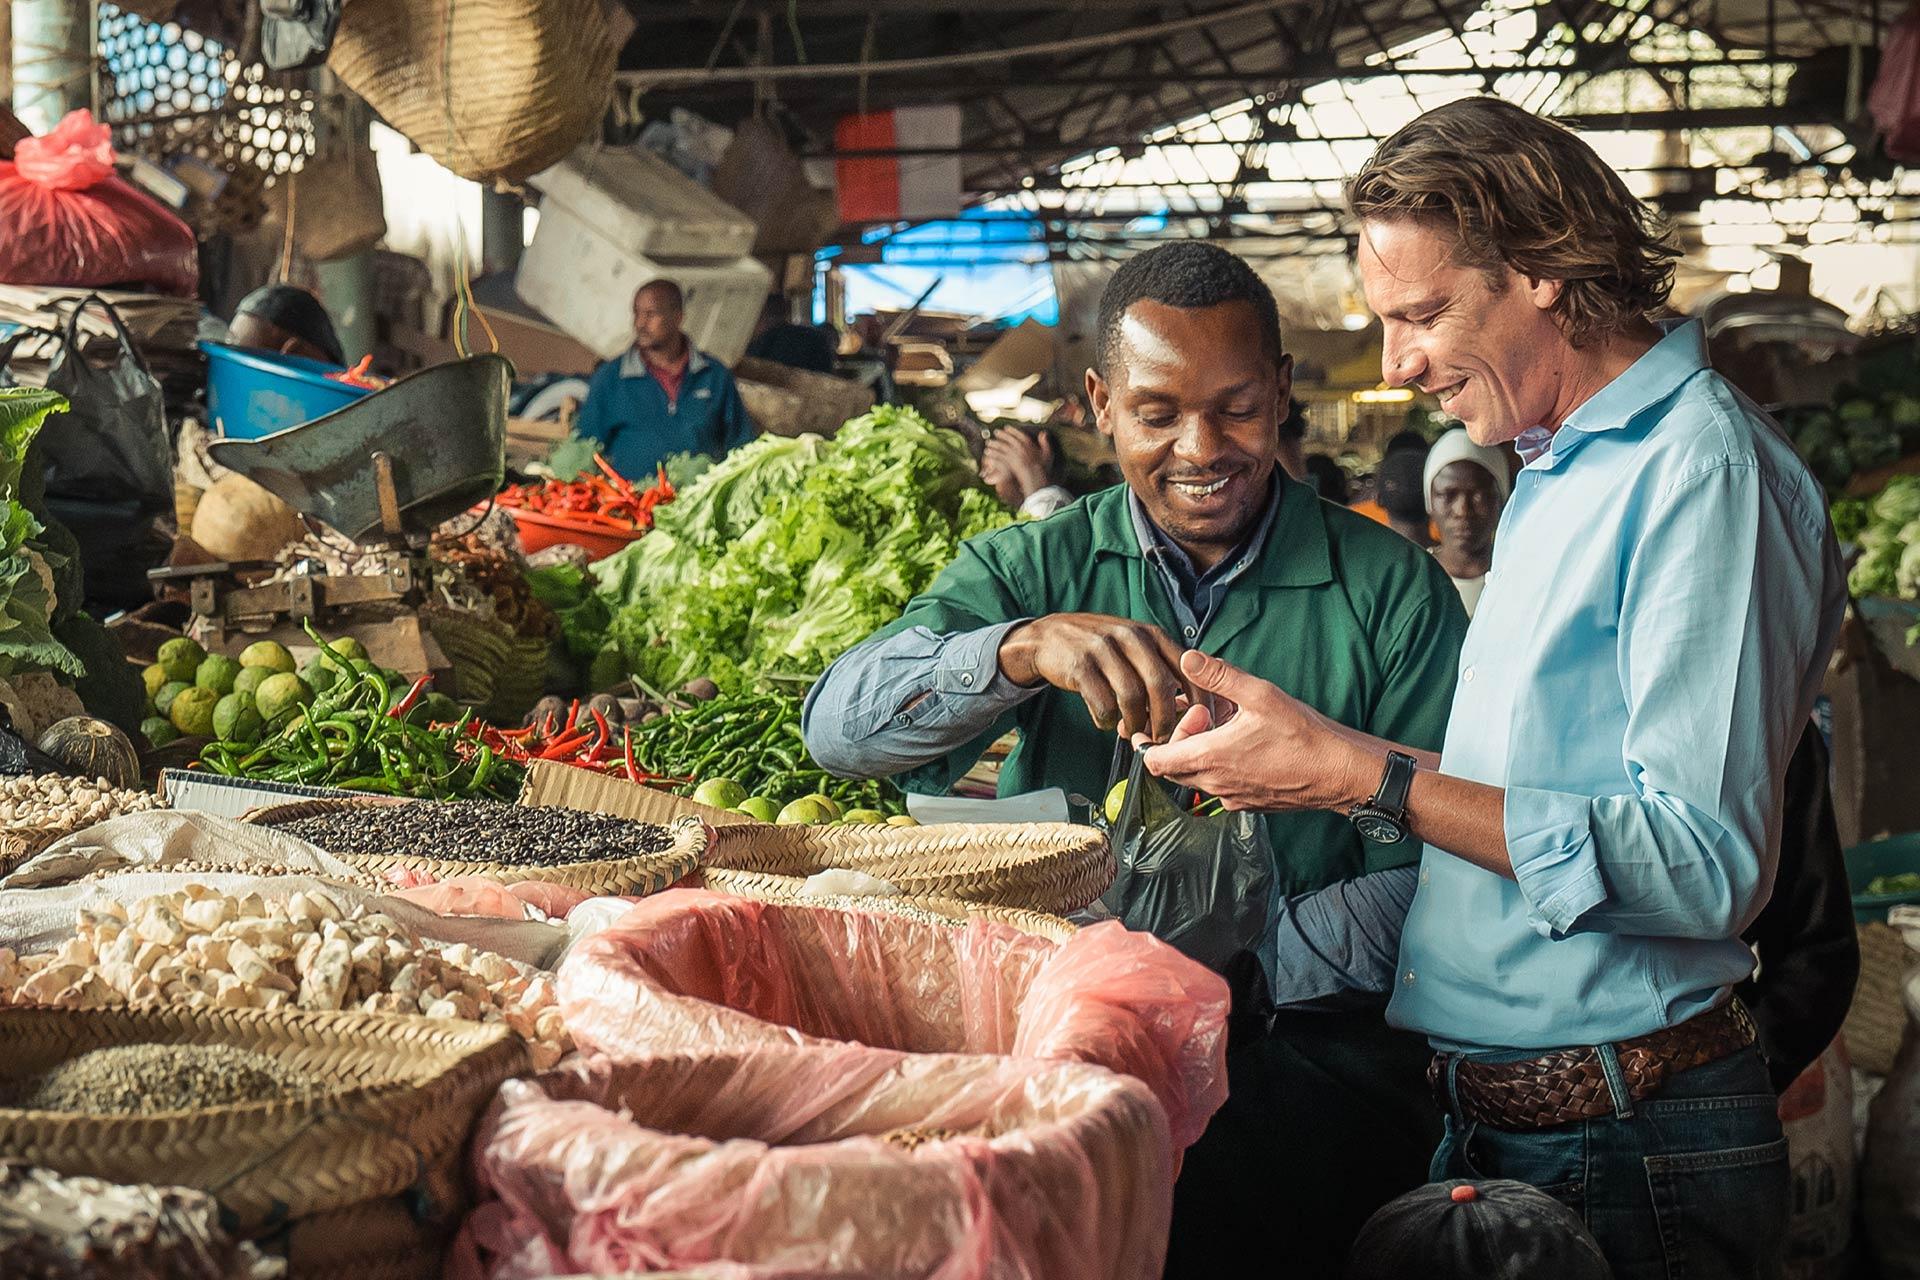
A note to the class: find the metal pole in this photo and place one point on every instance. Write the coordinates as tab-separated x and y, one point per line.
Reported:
52	60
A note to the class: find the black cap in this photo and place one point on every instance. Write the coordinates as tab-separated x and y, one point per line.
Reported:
1476	1231
299	313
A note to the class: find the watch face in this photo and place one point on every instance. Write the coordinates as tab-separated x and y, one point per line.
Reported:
1378	827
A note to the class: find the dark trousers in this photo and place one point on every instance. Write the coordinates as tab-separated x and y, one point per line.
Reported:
1328	1118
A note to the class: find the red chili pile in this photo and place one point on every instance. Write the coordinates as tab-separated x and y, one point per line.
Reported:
591	744
360	375
607	499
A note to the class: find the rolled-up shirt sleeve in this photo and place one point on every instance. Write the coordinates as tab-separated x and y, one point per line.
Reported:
1713	699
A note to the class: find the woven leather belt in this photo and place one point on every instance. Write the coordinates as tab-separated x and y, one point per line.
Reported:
1570	1084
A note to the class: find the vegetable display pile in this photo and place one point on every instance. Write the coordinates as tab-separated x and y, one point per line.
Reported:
791	551
1905	882
28	572
361	732
1887	529
586	742
745	748
607	499
1855	434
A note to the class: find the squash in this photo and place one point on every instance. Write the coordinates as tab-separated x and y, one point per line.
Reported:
238	520
90	748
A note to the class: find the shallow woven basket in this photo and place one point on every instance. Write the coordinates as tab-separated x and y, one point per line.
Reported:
1878	1017
1052	867
489	88
635	876
408	1092
788	890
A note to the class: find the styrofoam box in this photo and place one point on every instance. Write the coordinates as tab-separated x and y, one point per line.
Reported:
585	285
642	205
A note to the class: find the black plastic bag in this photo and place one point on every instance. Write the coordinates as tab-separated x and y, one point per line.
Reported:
1201	882
297	33
112	445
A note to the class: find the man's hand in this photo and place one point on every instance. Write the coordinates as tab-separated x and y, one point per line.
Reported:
1016	464
1272	753
1128	673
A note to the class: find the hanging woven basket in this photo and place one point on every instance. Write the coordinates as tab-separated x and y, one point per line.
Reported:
489	88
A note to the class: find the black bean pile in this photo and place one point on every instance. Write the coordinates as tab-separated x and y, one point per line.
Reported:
480	831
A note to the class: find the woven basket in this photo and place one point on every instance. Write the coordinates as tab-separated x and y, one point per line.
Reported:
1878	1017
1052	867
636	876
788	889
489	88
409	1091
498	671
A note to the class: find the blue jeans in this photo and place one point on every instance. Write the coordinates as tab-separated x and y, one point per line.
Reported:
1690	1184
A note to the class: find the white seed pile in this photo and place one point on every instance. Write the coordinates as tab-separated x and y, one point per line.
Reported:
204	948
56	801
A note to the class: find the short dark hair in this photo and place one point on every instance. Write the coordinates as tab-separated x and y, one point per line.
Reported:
1188	273
293	309
667	287
1396	485
1324	474
1520	192
1408	439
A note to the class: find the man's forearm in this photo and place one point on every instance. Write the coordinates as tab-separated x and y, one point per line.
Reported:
1463	818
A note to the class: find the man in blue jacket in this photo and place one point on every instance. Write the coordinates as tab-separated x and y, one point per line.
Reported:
663	396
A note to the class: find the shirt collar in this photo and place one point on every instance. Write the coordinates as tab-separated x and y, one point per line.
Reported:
1662	370
634	365
1288	547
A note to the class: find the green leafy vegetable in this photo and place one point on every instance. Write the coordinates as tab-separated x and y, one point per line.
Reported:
1905	882
27	577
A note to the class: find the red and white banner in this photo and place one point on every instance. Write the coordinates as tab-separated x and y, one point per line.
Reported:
891	188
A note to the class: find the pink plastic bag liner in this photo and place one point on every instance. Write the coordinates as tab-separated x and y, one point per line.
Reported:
689	970
65	219
768	1158
479	896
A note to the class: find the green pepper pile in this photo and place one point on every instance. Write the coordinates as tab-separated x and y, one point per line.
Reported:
752	739
364	734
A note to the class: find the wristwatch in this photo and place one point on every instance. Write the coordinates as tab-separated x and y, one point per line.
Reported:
1383	819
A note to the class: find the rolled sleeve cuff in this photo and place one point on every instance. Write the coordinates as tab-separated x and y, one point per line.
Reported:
969	664
1555	862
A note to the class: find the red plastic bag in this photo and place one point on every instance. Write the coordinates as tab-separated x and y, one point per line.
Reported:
1895	97
65	219
693	970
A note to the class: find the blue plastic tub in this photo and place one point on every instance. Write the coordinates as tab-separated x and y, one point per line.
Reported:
256	393
1892	856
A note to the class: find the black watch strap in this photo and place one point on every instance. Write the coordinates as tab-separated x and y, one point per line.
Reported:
1395	783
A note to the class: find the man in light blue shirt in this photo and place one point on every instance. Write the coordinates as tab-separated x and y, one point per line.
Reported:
1604	819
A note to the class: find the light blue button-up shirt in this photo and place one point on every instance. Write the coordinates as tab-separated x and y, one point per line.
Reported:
1665	593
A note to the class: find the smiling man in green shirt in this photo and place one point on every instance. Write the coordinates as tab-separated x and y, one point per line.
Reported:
1070	629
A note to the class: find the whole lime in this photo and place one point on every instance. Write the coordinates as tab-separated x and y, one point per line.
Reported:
192	712
319	675
827	807
349	648
864	818
270	654
158	732
903	820
281	693
154	677
760	809
805	811
163	700
217	672
235	720
181	657
721	793
250	679
1116	798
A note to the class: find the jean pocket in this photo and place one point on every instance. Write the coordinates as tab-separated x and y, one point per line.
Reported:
1552	1159
1722	1214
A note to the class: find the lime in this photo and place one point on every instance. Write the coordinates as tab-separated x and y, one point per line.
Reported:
281	693
217	673
721	793
270	654
319	675
158	732
155	678
760	809
903	820
805	811
192	712
864	818
348	648
250	679
235	720
1115	799
827	806
181	657
163	700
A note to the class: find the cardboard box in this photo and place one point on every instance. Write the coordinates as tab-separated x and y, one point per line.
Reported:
566	787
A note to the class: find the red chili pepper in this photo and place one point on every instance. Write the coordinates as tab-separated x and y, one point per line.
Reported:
603	735
633	770
405	704
561	748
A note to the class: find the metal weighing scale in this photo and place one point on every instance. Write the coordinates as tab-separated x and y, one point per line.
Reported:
384	472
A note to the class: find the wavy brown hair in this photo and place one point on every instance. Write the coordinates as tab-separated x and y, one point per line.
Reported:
1522	192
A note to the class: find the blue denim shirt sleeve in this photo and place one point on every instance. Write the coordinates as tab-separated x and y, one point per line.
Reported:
888	706
1339	946
1683	854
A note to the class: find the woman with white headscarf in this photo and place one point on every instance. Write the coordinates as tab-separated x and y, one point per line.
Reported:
1466	485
